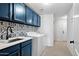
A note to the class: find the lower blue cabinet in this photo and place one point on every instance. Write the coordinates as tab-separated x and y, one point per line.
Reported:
10	50
16	53
22	49
31	49
26	51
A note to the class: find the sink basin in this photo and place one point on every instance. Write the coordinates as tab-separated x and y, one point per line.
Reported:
13	40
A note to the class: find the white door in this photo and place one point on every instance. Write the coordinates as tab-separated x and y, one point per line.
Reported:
61	30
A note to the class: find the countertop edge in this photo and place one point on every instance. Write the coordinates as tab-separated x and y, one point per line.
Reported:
6	45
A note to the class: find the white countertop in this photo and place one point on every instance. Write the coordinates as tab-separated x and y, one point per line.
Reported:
35	34
5	45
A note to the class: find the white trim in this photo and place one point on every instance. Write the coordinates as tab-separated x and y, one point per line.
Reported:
70	49
77	52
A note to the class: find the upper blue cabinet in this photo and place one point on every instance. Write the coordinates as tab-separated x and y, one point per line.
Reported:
29	19
35	19
32	18
5	11
39	21
19	12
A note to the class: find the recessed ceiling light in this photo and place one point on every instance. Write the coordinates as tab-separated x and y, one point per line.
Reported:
46	3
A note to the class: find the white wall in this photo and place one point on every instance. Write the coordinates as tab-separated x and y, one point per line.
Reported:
73	29
70	30
60	28
76	27
47	29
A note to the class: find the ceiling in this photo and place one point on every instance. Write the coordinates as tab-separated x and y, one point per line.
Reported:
58	9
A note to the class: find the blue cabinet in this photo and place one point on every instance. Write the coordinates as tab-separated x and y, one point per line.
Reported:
35	19
31	48
39	21
26	51
19	12
14	12
16	53
32	18
29	15
26	48
5	11
22	49
10	50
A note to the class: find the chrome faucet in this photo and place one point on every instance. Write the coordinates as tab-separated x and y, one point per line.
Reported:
7	33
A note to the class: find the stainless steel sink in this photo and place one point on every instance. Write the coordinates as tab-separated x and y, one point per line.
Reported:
13	40
10	40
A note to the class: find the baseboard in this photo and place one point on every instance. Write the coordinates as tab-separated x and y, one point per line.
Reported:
74	51
70	49
42	52
77	53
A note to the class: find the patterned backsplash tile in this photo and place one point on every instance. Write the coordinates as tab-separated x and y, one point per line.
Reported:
18	29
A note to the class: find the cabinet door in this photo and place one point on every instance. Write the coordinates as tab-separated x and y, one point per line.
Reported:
19	12
29	19
26	51
39	21
4	11
35	19
10	50
16	53
31	49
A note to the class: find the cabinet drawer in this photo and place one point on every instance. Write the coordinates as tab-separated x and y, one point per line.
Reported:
26	43
9	50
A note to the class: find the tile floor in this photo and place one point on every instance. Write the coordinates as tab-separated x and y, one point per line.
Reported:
59	49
